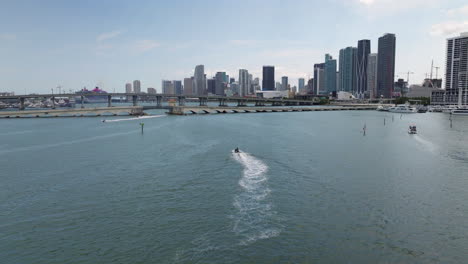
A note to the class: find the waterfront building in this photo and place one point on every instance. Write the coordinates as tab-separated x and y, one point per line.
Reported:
319	79
128	88
372	75
284	83
348	69
310	86
330	74
151	90
278	86
211	88
188	86
199	83
136	86
268	81
456	73
256	85
386	65
244	82
363	51
178	89
231	80
167	87
301	85
220	79
400	88
234	86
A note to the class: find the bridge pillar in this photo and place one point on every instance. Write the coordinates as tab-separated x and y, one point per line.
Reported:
53	102
109	100
158	101
21	103
222	102
82	101
202	101
181	100
135	100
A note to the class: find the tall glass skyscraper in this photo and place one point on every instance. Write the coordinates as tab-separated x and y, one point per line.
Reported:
268	81
284	83
386	65
199	83
364	48
330	74
244	82
348	69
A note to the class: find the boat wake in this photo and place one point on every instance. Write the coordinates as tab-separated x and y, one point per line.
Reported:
130	119
427	144
255	216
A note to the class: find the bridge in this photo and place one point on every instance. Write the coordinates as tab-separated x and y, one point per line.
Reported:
180	100
184	110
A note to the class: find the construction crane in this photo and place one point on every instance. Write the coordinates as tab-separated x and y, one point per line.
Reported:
407	75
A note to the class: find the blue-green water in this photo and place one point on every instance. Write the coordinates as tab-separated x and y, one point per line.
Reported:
309	188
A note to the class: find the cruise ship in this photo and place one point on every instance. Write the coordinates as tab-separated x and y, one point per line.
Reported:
91	96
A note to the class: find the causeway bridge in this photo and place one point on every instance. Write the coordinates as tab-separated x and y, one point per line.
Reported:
74	112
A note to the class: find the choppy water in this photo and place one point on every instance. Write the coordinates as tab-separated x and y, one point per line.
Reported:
307	188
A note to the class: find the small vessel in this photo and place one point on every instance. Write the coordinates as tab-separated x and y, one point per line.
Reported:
381	108
422	109
412	130
236	150
402	109
449	109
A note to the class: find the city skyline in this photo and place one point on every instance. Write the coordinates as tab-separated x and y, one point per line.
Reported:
72	46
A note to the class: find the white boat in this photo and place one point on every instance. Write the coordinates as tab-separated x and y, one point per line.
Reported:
402	109
381	108
412	130
449	109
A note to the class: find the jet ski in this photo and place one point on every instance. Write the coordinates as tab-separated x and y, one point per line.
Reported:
236	150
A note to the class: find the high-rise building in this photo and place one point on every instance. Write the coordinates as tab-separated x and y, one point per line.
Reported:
372	75
284	83
151	90
386	65
220	79
278	86
250	88
178	89
231	80
136	86
211	88
364	48
348	69
310	86
128	87
456	73
268	81
330	74
319	79
301	85
256	85
167	87
188	86
244	82
199	83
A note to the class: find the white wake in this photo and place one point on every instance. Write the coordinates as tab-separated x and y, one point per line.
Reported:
132	118
254	219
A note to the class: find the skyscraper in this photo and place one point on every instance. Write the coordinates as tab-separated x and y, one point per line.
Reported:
177	87
386	65
167	87
330	74
211	89
284	83
372	75
364	47
456	73
244	82
136	86
220	78
268	81
188	86
128	87
301	84
348	69
319	79
151	90
199	84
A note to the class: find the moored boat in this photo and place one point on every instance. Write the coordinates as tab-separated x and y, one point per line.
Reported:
402	109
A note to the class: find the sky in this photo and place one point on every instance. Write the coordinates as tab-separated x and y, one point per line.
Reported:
107	43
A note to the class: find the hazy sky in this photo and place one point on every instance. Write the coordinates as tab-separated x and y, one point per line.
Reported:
73	43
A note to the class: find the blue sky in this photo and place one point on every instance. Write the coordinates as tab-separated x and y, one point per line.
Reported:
48	43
